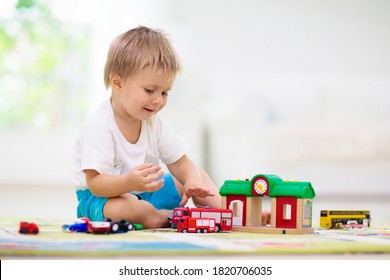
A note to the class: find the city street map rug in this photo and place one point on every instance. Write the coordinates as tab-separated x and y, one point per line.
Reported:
53	242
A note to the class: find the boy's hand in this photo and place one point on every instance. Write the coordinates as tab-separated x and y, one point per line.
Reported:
194	190
145	178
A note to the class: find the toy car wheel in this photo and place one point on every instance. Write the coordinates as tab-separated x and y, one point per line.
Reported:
23	230
205	230
130	227
217	228
71	228
184	230
198	230
114	227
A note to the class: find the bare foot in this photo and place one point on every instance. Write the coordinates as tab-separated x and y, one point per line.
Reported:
265	218
167	214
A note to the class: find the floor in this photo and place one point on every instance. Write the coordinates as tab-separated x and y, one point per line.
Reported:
60	202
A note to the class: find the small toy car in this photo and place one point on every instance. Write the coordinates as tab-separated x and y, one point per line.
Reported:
100	227
122	226
353	225
138	226
28	228
80	225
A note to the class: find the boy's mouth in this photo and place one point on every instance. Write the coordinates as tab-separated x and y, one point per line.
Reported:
149	110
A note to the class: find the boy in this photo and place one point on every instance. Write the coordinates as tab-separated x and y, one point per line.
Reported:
117	152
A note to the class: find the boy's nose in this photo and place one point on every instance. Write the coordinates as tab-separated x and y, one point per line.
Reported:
158	100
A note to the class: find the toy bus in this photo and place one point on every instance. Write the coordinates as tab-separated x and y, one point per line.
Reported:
339	218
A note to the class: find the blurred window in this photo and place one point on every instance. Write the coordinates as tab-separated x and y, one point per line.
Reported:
43	66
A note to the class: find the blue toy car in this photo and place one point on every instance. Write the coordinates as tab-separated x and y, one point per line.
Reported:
80	225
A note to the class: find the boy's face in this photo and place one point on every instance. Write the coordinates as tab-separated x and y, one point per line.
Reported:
143	94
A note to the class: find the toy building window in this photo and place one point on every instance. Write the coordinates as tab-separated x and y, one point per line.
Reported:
235	210
286	212
307	210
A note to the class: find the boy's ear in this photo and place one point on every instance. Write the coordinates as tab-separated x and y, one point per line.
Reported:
116	81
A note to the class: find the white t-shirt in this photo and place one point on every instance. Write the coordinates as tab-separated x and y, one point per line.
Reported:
101	146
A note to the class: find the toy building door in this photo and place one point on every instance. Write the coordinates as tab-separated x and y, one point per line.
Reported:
286	212
237	206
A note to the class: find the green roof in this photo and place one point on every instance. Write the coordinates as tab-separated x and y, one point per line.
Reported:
297	189
236	187
277	187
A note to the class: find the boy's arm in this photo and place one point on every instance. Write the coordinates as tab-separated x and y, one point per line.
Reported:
143	178
188	174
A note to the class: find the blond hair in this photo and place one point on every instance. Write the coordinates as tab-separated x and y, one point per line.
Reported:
140	48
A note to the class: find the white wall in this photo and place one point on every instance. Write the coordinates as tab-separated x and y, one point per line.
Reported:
300	89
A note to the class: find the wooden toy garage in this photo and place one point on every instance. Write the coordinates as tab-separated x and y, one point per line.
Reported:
291	204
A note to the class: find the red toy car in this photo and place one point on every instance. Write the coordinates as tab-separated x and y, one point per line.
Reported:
28	228
353	225
99	227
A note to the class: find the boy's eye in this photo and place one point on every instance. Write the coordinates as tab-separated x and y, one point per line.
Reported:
149	90
165	93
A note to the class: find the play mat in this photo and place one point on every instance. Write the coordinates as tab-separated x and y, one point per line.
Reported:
52	241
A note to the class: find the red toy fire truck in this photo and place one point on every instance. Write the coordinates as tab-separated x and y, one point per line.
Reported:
223	217
198	225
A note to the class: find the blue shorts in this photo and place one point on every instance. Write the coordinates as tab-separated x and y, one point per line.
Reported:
91	206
